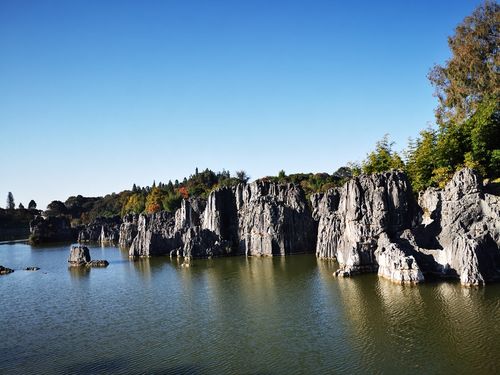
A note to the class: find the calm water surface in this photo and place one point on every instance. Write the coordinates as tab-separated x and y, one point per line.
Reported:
235	316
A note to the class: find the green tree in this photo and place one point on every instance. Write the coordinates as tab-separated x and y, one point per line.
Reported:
10	201
32	205
242	176
281	176
135	204
421	159
171	201
472	72
383	158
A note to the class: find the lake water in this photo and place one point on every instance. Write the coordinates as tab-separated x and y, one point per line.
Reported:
239	315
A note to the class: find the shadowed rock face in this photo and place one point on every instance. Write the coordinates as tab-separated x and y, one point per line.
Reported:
78	256
51	229
128	230
103	230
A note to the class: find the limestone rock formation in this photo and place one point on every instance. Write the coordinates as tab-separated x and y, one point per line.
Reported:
98	263
352	218
156	235
103	230
464	223
273	219
203	243
51	229
395	264
78	256
128	230
373	223
261	218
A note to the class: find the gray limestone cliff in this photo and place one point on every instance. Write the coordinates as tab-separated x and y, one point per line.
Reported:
103	230
352	218
128	230
460	230
373	223
261	218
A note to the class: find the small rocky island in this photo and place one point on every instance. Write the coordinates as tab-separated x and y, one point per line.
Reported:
373	223
79	256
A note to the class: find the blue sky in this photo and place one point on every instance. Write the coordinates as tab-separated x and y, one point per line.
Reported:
98	95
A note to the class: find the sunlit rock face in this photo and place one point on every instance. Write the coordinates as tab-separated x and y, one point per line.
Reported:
373	223
274	219
261	218
352	218
463	224
156	235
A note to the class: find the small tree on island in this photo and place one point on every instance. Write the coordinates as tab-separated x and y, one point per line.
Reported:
10	201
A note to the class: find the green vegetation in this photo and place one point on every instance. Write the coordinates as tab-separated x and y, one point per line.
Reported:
314	182
468	126
168	197
14	224
10	201
383	158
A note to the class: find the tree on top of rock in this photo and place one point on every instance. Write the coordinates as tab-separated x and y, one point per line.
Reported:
10	201
383	158
32	205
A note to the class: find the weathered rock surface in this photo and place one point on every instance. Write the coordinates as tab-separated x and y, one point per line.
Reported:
128	230
5	270
273	219
395	264
464	223
156	235
261	218
373	223
352	218
103	230
51	229
78	256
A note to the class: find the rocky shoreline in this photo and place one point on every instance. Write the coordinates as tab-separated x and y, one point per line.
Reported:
373	223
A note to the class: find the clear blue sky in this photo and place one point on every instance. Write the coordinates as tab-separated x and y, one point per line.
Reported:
98	95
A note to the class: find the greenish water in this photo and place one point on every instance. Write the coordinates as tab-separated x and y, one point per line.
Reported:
235	316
